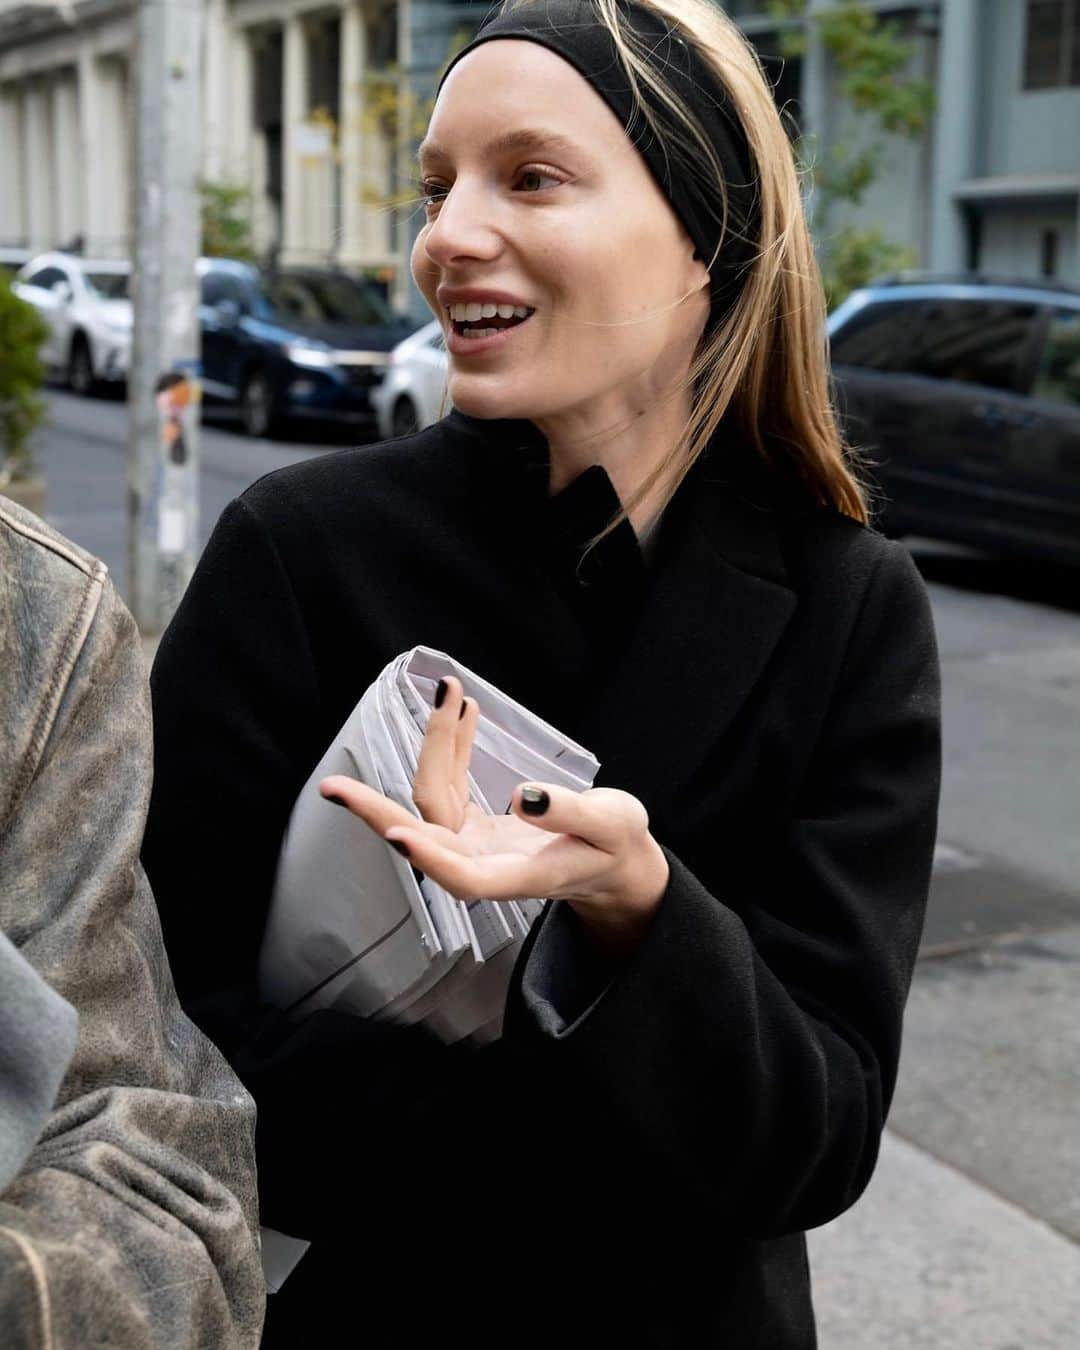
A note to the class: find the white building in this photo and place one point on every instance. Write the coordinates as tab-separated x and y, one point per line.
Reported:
289	102
993	185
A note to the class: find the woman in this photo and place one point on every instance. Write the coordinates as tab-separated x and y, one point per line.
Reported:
639	522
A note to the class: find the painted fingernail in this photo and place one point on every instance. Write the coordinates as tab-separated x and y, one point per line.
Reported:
338	801
440	693
534	801
403	849
464	705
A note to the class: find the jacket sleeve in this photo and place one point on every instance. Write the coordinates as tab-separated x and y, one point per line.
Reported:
750	1045
238	729
132	1220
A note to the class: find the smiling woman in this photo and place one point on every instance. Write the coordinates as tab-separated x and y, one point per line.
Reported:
640	522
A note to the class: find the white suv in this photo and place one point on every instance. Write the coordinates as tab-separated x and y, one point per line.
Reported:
87	305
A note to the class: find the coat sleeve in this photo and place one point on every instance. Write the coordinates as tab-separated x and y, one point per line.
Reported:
131	1220
749	1047
238	730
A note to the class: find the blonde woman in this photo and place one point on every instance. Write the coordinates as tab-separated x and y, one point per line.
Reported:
639	520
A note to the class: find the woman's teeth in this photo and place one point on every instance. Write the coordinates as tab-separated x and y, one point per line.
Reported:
471	312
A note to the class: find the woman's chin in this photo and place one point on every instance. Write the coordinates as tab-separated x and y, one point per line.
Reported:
486	398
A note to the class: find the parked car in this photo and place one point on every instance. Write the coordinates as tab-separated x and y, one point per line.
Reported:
965	391
86	303
296	342
414	391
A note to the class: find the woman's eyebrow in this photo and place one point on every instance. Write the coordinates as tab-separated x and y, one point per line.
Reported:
526	138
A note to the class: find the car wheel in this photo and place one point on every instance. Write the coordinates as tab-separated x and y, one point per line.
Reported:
405	420
80	371
257	405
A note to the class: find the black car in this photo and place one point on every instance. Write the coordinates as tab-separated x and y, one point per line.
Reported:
965	392
293	343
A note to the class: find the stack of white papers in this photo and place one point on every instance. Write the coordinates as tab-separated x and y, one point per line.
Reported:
352	925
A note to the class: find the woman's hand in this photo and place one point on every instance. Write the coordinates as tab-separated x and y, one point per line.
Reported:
592	849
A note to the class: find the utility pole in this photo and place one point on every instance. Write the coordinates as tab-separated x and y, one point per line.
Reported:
164	390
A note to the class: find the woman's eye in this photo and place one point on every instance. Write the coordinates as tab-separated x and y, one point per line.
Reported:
432	193
528	178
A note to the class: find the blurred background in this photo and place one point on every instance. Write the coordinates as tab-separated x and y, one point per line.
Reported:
258	156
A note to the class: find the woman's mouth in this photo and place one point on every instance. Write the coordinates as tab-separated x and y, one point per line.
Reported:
476	327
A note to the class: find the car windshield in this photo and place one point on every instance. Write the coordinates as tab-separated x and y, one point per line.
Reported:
324	298
107	285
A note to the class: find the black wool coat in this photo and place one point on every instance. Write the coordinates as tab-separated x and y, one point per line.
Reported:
645	1146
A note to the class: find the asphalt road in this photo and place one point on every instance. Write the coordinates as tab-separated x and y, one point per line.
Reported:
968	1234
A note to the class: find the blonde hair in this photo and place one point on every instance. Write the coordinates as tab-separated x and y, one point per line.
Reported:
765	365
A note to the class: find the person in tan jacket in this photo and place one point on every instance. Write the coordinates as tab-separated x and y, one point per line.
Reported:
128	1213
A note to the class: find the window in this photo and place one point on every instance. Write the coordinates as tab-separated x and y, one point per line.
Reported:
218	286
107	285
1058	377
1052	44
974	341
325	297
46	278
879	336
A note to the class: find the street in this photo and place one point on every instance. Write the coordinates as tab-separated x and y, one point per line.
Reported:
968	1234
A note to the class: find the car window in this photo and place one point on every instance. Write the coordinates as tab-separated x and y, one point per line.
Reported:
879	336
107	285
217	286
44	278
1058	377
321	298
974	341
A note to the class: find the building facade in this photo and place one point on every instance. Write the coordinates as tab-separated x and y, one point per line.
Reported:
314	107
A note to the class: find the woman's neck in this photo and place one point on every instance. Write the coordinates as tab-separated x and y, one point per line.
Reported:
627	444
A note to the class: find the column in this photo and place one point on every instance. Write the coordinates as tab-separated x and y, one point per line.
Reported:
37	156
295	111
92	148
352	136
216	92
240	129
954	132
67	162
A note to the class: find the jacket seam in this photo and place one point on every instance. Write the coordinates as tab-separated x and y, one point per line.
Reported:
60	678
40	1278
57	546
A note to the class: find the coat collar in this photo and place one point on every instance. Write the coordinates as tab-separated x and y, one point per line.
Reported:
715	607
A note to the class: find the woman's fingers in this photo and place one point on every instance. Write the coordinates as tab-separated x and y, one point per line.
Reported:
435	784
552	871
607	818
463	744
372	807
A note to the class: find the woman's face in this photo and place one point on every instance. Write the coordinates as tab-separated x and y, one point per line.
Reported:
536	198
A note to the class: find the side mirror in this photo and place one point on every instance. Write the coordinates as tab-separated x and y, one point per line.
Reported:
61	289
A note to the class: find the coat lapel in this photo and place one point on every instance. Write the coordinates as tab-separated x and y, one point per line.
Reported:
717	607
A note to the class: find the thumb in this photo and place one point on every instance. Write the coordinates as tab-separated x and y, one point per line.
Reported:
603	817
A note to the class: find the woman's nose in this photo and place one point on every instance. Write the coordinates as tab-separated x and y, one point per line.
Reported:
463	227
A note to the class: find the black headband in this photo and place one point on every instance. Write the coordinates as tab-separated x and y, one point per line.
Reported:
572	30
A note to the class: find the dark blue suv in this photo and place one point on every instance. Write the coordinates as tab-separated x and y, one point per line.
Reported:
965	392
293	343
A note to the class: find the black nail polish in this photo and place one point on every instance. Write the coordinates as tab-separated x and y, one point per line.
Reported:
534	801
338	801
402	848
440	693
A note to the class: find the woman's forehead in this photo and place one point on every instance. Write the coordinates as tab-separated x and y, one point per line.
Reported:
508	93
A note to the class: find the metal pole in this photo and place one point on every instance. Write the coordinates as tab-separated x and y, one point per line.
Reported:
164	392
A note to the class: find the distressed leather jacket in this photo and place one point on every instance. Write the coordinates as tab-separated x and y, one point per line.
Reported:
129	1218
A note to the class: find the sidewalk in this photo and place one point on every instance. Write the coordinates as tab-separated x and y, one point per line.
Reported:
930	1260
